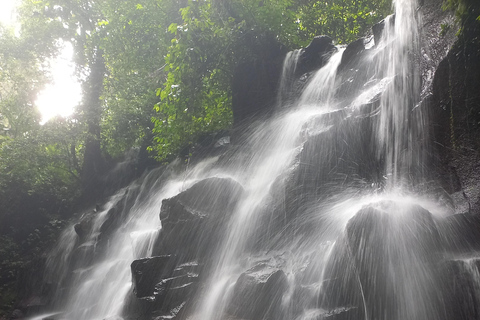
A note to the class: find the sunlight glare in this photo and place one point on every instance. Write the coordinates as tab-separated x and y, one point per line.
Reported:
64	94
7	12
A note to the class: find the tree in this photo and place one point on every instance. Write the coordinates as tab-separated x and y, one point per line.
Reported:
20	81
216	36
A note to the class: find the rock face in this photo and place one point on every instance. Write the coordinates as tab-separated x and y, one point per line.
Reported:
460	233
353	50
258	293
315	55
388	243
463	281
384	244
456	114
193	221
146	273
255	82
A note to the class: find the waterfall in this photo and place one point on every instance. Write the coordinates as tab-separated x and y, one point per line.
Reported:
101	280
276	146
318	213
395	134
287	80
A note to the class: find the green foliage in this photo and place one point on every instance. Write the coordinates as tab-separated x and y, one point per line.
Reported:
44	161
21	78
184	51
134	49
343	20
194	97
463	9
445	28
20	251
213	37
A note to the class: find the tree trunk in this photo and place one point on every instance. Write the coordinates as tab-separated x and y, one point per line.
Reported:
94	164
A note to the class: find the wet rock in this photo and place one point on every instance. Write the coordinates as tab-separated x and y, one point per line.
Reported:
116	215
84	226
314	56
257	294
174	313
463	288
387	242
341	273
207	145
33	305
110	222
351	52
341	152
17	314
460	233
146	273
344	313
83	255
255	82
378	28
166	289
455	110
177	289
193	221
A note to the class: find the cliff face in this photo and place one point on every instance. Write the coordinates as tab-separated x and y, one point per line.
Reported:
456	117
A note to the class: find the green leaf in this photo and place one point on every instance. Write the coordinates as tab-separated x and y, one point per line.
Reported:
172	28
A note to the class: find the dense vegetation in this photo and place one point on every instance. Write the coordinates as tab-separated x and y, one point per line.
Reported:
156	75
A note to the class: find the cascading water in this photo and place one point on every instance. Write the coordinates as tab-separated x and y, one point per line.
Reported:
276	147
394	127
315	215
101	280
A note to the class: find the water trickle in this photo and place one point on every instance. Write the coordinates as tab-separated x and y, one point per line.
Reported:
286	89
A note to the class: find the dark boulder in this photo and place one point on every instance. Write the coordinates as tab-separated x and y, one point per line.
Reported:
460	233
83	255
455	111
378	28
342	151
177	289
352	51
258	293
255	81
463	287
110	222
315	55
146	273
169	289
207	197
193	221
17	314
387	242
84	226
